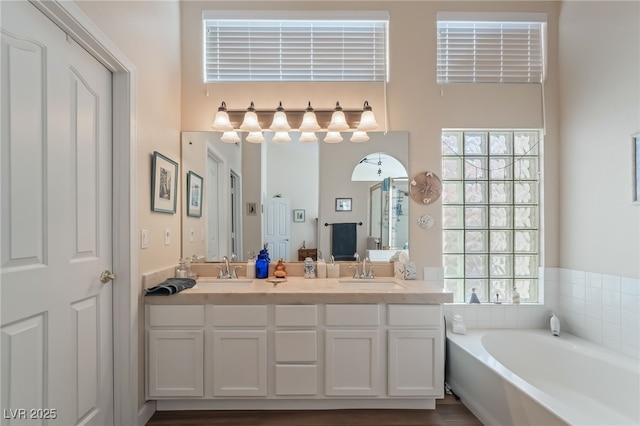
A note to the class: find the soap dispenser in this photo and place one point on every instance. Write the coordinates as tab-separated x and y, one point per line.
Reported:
515	296
181	270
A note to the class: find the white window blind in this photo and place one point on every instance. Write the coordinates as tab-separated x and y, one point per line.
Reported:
295	50
490	52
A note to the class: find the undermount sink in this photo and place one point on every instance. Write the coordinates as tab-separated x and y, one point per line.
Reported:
370	283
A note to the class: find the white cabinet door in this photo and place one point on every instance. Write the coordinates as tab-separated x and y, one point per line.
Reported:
352	362
415	363
239	362
176	363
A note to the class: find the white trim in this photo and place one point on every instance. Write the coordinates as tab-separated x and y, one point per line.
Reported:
279	15
493	16
71	19
146	412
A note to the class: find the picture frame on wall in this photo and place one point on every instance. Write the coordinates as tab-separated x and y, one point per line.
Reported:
343	204
164	184
194	194
298	215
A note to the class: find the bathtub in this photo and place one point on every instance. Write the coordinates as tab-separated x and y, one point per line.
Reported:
529	377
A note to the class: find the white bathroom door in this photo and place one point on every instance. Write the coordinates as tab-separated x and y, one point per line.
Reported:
277	225
56	320
213	208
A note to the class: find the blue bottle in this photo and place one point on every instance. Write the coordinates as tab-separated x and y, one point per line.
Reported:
262	264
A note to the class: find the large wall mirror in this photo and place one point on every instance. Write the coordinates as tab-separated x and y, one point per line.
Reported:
283	194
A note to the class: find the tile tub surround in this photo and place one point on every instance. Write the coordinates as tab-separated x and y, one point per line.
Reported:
601	308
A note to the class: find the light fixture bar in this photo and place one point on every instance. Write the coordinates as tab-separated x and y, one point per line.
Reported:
295	116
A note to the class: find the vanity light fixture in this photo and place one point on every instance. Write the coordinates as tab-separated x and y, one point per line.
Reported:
338	120
221	122
368	119
230	137
309	121
280	123
250	122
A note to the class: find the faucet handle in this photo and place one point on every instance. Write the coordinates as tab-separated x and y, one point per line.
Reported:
370	274
234	273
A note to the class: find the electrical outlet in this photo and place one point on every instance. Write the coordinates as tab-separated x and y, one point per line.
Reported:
167	236
144	238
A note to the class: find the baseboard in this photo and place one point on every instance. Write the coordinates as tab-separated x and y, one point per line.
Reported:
145	412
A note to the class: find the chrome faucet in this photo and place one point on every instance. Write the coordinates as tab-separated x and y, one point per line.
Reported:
227	273
362	274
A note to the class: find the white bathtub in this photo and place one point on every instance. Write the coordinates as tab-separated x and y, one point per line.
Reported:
529	377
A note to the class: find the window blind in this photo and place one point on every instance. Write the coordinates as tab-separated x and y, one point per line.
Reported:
295	50
490	52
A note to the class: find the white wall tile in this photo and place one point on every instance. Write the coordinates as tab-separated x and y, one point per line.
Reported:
611	282
631	286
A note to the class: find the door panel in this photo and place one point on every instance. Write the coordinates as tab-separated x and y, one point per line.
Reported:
277	224
56	322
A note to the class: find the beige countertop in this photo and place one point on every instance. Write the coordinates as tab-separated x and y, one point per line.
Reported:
298	290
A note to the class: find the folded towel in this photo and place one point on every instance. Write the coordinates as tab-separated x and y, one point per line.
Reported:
170	286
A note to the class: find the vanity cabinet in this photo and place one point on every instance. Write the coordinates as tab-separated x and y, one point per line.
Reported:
327	354
175	347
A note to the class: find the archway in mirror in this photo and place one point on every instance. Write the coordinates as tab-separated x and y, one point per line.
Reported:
388	204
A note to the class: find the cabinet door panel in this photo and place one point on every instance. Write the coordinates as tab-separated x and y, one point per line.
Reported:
176	363
352	365
239	363
415	363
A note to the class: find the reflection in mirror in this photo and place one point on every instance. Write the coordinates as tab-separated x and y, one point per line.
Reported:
243	181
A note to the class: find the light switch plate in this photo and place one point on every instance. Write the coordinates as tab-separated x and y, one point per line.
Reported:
192	235
167	236
144	238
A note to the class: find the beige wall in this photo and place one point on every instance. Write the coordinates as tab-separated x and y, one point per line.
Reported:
600	110
148	34
415	102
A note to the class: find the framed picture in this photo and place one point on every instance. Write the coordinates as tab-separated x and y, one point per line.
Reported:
636	168
164	184
343	204
252	209
298	215
194	194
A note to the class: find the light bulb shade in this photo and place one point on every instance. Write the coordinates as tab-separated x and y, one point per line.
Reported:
221	122
338	120
367	120
280	123
308	137
309	122
333	137
359	136
230	137
255	137
250	122
281	137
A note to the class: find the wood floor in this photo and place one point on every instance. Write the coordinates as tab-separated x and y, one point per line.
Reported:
448	412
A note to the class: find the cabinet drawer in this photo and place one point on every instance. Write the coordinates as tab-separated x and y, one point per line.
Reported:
176	315
414	315
239	315
349	315
296	346
296	380
296	315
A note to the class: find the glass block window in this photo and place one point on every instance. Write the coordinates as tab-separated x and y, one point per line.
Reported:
289	46
490	213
